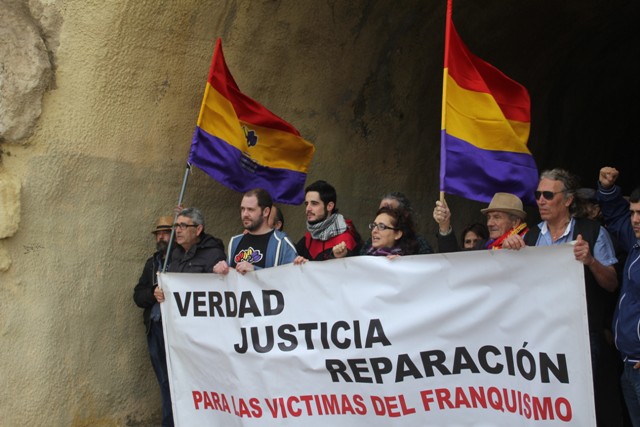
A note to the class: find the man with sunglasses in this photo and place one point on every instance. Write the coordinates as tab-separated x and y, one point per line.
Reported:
555	198
623	221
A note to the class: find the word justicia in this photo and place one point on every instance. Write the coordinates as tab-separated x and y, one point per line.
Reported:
287	337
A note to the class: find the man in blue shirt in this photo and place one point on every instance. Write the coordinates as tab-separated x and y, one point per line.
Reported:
555	198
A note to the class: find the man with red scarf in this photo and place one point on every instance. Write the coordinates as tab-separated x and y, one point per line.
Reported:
505	217
329	234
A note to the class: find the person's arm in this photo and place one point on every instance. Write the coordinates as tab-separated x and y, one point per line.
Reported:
288	252
447	242
605	275
221	267
341	250
143	291
442	215
347	244
423	246
302	251
615	209
514	242
217	254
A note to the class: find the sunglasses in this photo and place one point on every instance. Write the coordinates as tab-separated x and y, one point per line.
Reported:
548	195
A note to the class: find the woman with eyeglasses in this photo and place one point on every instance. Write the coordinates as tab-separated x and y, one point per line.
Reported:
393	234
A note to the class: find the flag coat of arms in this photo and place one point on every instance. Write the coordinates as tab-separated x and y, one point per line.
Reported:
243	145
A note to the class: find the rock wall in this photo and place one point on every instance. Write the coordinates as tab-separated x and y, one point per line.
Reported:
98	104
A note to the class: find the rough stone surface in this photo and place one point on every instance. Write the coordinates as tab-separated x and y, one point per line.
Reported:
25	71
9	205
5	259
360	79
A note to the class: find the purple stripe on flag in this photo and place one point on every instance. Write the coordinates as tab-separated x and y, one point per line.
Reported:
492	172
231	167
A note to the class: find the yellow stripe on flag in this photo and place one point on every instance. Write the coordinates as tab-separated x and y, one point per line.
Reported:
475	117
274	148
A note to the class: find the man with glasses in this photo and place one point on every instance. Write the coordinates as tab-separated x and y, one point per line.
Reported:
143	296
505	217
329	234
555	197
196	251
260	246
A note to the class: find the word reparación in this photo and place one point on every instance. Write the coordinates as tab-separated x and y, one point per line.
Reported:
489	359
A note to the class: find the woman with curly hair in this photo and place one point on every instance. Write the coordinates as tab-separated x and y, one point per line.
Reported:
393	233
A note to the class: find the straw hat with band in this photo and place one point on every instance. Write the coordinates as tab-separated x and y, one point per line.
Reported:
165	223
506	202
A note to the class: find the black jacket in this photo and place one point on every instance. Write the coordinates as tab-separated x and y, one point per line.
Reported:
143	292
200	258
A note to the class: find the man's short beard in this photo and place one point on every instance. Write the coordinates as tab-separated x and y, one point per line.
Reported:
326	215
162	246
255	225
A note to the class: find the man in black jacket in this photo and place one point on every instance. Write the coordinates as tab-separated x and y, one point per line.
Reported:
195	252
144	298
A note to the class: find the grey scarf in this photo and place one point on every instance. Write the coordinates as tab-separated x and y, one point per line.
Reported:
330	227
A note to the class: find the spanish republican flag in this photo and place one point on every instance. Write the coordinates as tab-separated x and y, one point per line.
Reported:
243	145
485	128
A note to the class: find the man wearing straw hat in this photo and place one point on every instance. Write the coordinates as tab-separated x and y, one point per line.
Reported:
144	298
505	217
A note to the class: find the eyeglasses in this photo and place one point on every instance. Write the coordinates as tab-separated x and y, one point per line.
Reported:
183	226
549	195
470	241
380	226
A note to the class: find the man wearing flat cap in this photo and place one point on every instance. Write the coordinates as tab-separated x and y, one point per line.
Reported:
505	217
144	298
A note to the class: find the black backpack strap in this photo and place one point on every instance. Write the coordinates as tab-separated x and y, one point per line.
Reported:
589	229
531	238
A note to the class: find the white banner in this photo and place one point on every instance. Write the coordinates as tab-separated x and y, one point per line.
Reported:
485	338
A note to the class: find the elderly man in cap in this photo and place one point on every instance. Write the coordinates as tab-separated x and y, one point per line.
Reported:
143	296
505	217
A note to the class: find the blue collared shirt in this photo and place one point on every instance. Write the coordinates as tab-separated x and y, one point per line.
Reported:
603	250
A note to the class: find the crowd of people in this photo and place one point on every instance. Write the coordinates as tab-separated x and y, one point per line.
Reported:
604	226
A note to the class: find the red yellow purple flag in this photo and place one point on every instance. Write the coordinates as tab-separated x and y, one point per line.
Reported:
485	128
243	145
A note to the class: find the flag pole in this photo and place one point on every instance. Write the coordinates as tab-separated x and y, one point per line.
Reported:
443	155
173	230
